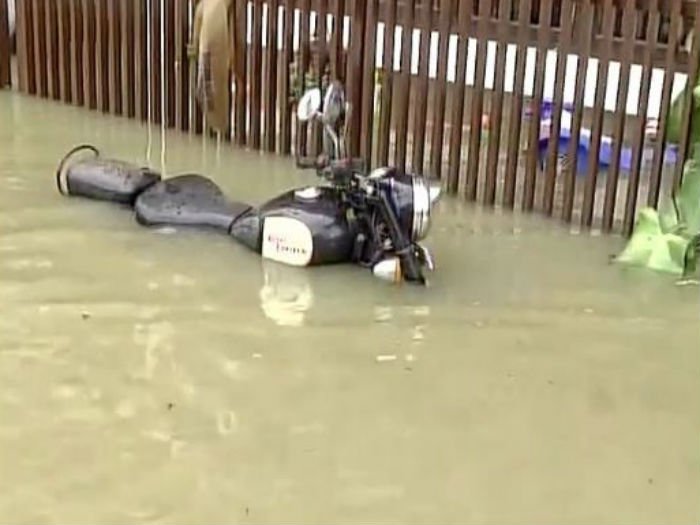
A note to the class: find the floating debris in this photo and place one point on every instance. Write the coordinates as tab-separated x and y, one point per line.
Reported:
385	358
85	315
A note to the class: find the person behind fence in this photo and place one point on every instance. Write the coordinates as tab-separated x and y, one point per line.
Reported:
212	33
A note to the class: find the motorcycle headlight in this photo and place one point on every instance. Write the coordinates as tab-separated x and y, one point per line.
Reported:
414	198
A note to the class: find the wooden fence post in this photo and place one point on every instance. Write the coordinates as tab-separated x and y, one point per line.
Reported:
5	47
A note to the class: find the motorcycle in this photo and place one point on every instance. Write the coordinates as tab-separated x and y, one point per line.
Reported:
375	219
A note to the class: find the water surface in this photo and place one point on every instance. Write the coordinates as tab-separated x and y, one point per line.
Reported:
173	377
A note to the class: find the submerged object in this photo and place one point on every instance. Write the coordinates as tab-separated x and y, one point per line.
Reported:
372	219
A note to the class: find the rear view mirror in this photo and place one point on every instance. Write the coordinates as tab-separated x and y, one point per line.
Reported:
309	104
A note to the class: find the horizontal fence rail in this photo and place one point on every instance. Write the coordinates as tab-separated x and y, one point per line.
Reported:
530	104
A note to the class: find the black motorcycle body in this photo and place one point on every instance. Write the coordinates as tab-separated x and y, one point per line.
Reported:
373	220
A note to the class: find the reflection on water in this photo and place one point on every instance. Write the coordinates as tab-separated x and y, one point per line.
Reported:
168	375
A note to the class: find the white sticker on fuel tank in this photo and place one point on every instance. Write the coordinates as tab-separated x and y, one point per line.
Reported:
287	241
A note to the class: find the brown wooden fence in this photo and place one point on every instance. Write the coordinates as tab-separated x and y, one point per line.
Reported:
411	106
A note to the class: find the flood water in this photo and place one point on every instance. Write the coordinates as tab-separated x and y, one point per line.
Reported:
151	376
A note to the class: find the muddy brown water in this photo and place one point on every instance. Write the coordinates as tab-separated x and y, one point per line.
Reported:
154	376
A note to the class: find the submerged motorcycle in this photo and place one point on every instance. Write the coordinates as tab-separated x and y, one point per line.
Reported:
373	219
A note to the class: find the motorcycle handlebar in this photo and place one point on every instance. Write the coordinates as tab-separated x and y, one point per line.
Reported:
306	163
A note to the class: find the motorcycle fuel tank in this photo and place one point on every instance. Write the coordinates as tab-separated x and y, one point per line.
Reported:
302	227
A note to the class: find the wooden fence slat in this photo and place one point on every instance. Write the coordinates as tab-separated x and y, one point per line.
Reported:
256	73
638	143
285	88
440	92
496	112
337	54
101	54
516	109
555	129
670	69
403	95
39	35
598	113
182	40
140	60
457	113
76	51
114	56
421	98
320	61
64	62
272	64
534	132
5	48
169	60
155	56
87	55
302	67
620	117
368	78
477	104
197	115
51	14
387	85
127	57
584	30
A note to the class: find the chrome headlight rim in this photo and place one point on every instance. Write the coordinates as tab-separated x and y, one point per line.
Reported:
421	209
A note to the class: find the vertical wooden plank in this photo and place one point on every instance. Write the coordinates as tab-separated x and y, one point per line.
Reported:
241	71
155	57
543	35
182	39
87	54
598	112
256	73
5	64
127	57
496	111
271	76
76	50
51	14
337	54
693	70
440	92
21	24
628	31
652	31
139	19
404	87
516	108
285	94
457	114
387	83
40	58
168	40
30	42
320	60
477	105
114	57
101	58
64	64
421	115
584	32
302	68
669	71
368	76
555	130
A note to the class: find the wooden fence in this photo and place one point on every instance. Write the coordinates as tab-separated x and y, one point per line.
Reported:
412	106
